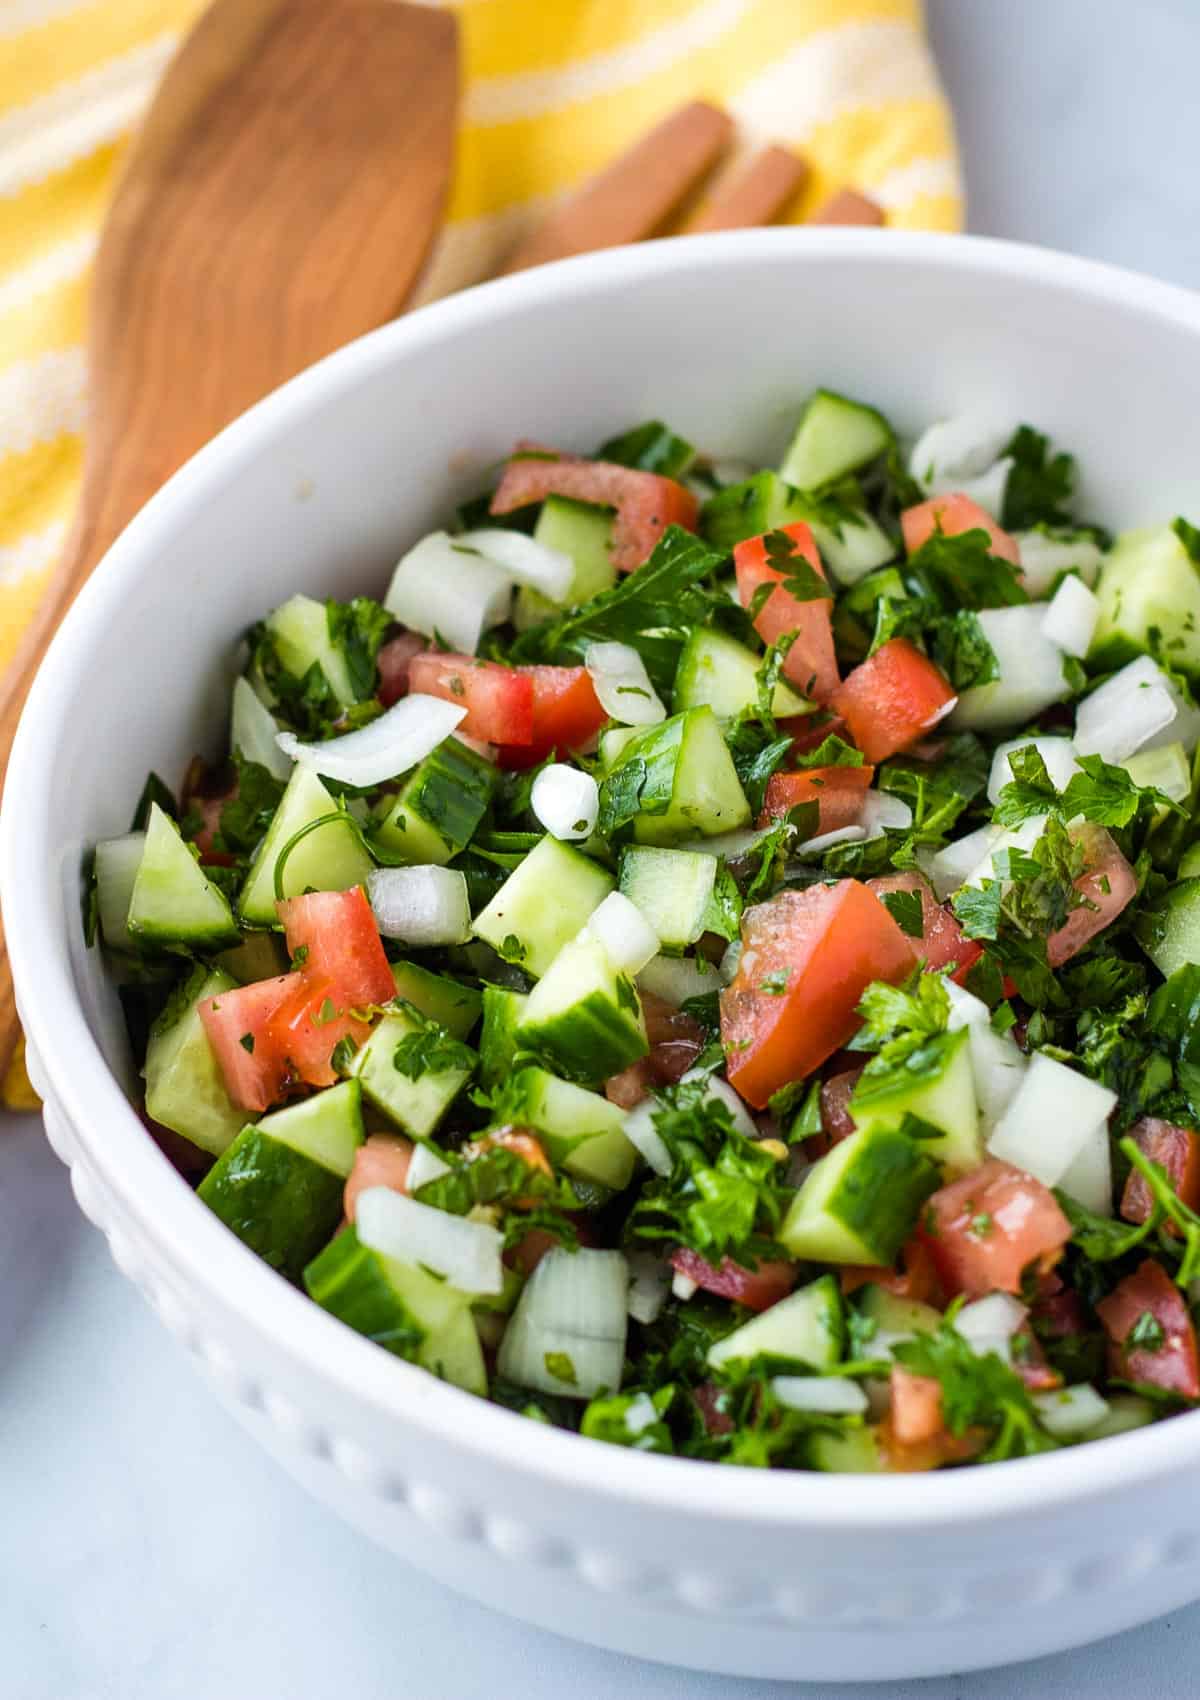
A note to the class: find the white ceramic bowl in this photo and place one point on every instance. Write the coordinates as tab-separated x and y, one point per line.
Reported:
318	489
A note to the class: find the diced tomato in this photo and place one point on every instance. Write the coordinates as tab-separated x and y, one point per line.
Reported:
566	715
1166	1359
917	1456
984	1230
335	935
944	941
676	1040
393	661
806	960
916	1407
519	1141
646	503
710	1402
810	664
536	1242
892	698
837	792
809	731
757	1289
498	699
1108	884
631	1086
1061	1314
381	1160
239	1025
205	792
917	1279
308	1026
836	1121
1177	1149
952	515
1029	1362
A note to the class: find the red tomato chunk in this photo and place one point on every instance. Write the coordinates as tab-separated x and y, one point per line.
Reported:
334	935
498	700
1177	1149
944	941
952	515
810	664
984	1230
1151	1338
837	792
566	716
757	1289
1108	884
892	699
238	1024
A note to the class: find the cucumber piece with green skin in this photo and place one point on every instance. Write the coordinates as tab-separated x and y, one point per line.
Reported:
809	1327
1189	866
400	1307
299	629
502	1012
935	1083
722	673
861	1202
672	888
330	858
279	1186
583	1018
613	742
1169	933
1126	1411
543	904
582	1132
117	864
834	436
450	1003
652	447
1167	769
1149	595
260	956
416	1106
847	1451
894	1318
174	905
439	807
584	533
690	788
185	1089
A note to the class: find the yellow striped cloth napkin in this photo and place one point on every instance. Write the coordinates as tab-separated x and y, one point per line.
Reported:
551	94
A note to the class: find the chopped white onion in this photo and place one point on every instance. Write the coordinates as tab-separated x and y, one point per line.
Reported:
881	811
642	1134
1030	668
424	1165
723	1092
731	845
383	749
684	1287
467	1254
826	840
1044	556
730	958
629	940
1070	620
447	587
1053	1115
1137	709
731	471
254	731
965	1008
566	801
949	867
549	571
574	1306
622	684
1057	753
117	863
649	1284
987	491
1070	1410
988	1324
421	906
953	449
835	1395
1022	837
677	978
1089	1178
997	1062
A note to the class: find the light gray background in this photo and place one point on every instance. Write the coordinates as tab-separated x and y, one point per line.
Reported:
148	1550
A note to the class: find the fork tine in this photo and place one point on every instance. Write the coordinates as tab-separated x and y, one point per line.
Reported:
755	195
630	198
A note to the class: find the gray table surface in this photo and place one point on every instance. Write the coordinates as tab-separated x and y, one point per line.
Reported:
148	1550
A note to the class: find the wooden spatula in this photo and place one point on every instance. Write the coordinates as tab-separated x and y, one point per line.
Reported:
279	200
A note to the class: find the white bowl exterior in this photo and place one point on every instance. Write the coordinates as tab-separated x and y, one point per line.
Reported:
319	489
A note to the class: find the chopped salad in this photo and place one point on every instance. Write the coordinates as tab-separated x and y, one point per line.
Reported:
712	959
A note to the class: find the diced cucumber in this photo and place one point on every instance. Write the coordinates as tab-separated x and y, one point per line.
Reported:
1169	933
252	731
717	671
260	956
809	1326
582	1132
401	1308
1126	1411
613	742
1189	863
650	447
761	503
502	1011
853	545
299	629
330	858
584	533
860	1203
1149	594
937	1084
185	1089
439	807
672	888
279	1186
543	904
117	864
416	1106
450	1003
691	786
173	903
1167	769
583	1018
834	436
848	1451
894	1318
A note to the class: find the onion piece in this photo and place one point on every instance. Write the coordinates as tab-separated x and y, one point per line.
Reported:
722	1092
622	684
1137	709
421	906
988	1324
254	730
881	811
957	448
1044	555
574	1307
649	1285
949	867
465	1253
1053	1115
383	749
628	939
1030	668
1089	1179
117	863
1022	837
549	571
1057	753
566	801
640	1131
683	1287
424	1165
1066	1411
730	959
677	978
835	1395
997	1062
447	587
1071	617
826	840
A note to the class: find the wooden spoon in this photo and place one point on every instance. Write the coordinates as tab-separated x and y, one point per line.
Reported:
279	200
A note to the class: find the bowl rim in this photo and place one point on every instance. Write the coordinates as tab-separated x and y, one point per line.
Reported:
196	1246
